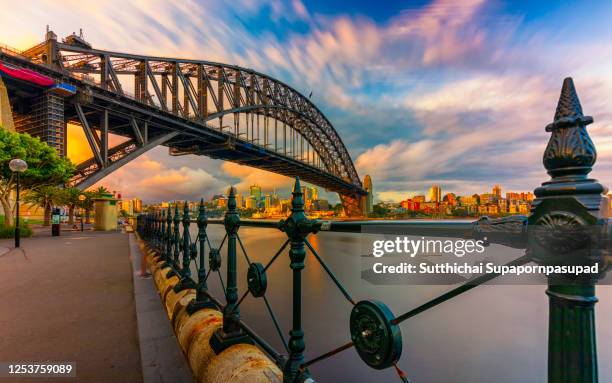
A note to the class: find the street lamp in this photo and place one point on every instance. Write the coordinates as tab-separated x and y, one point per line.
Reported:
82	198
18	166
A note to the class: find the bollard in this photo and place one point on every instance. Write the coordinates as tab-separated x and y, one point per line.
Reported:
297	227
231	333
570	209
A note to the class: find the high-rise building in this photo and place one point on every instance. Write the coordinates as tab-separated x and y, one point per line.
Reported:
497	192
435	194
369	200
268	202
256	192
137	205
250	202
239	201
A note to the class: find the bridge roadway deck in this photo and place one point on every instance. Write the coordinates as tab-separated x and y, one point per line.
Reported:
71	298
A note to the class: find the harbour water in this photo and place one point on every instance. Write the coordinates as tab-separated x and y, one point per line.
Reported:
493	333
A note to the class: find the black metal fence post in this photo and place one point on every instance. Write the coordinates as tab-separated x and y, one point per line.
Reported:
202	300
567	225
231	333
185	272
297	227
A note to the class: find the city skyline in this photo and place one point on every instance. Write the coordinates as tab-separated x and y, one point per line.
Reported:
433	93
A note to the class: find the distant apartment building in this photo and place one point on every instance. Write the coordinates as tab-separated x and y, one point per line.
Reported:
419	198
450	199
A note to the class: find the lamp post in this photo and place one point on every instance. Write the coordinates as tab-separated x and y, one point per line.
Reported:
18	166
82	198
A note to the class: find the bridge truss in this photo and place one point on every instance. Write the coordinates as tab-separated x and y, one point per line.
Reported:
193	107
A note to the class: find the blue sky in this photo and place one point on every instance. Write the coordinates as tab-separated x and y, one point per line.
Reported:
422	92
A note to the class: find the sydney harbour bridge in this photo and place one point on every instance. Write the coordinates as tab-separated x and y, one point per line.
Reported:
190	106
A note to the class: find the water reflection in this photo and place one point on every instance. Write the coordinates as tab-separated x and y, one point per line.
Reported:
494	333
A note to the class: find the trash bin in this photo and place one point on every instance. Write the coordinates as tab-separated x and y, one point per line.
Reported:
55	222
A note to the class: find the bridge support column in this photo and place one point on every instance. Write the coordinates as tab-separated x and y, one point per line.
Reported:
45	119
568	226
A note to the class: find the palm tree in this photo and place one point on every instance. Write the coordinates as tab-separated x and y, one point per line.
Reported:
46	197
88	204
70	197
100	191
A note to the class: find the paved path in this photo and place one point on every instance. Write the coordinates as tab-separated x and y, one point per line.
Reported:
161	356
71	298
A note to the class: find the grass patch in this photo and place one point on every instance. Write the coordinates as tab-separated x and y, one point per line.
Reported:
9	231
30	221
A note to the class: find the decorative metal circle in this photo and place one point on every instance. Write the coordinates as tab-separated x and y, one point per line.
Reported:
377	340
257	280
214	260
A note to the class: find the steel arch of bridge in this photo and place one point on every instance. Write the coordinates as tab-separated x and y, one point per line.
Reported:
208	93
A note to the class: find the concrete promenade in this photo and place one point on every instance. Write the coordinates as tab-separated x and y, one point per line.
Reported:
70	298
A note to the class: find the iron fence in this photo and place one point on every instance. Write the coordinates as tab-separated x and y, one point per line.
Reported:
568	201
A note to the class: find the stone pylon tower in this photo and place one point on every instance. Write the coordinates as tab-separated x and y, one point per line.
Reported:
6	114
369	199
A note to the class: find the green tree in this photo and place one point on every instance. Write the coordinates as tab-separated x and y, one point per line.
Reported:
46	197
45	167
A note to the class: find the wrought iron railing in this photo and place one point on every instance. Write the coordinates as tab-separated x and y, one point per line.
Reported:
567	202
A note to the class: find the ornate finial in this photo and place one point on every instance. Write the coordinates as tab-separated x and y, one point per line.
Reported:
297	202
177	219
186	212
570	151
169	216
231	201
202	221
569	110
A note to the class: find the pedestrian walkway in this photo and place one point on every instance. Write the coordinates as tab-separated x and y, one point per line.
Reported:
71	298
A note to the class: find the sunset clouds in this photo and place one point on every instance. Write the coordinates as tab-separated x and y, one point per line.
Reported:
456	93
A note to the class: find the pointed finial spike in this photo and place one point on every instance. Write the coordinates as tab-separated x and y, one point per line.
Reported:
569	104
569	110
297	187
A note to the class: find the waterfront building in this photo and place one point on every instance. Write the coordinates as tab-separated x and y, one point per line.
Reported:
250	203
222	201
487	198
419	198
450	199
497	192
